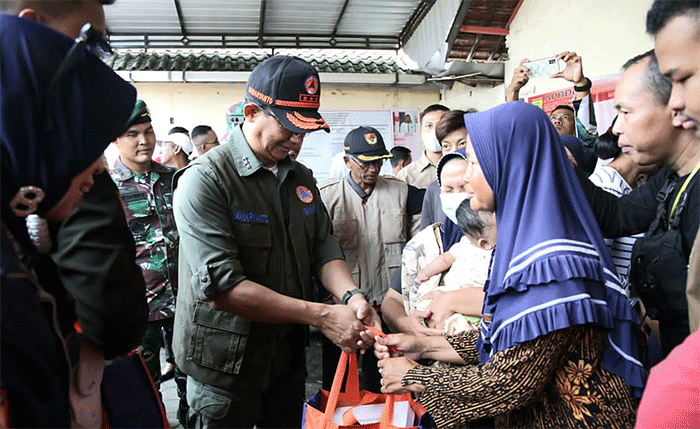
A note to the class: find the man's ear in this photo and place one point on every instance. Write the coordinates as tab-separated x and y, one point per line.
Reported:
250	111
178	149
348	163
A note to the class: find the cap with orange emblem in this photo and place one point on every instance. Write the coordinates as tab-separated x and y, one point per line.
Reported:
366	144
290	88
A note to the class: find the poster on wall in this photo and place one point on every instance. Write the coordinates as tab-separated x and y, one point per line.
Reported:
407	130
602	93
320	147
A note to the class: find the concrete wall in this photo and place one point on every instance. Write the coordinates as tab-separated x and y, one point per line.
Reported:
192	104
605	33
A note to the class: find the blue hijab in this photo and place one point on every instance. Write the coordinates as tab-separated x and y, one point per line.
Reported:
551	269
89	108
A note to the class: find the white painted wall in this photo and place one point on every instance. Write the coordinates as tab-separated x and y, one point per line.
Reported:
192	104
605	33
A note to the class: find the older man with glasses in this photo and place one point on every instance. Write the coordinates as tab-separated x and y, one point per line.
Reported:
372	218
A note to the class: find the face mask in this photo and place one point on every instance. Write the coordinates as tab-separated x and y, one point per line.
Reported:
433	144
450	202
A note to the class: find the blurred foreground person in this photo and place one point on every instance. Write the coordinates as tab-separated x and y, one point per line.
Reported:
60	106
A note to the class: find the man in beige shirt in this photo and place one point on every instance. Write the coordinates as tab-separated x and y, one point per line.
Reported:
422	172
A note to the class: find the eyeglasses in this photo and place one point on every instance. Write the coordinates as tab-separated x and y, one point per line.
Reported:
366	165
90	40
269	112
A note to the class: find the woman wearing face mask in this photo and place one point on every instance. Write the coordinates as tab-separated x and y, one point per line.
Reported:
450	135
450	127
430	243
558	341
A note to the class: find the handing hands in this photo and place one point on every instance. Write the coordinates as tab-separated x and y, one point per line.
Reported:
345	324
405	345
393	371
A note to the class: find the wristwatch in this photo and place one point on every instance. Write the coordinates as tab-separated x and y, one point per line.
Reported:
347	295
585	87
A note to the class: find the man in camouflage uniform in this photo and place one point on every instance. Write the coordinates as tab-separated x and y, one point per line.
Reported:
145	187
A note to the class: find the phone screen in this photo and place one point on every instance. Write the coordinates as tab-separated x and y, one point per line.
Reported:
543	67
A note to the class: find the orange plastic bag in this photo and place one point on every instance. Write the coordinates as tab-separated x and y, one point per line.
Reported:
320	408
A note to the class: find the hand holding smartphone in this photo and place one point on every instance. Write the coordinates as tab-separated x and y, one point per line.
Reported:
543	67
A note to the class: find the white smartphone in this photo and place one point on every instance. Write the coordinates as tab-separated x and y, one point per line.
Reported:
543	67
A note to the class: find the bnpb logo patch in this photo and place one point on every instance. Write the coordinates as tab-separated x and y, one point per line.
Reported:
304	194
371	139
311	85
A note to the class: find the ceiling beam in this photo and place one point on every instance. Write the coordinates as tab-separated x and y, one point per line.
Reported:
489	31
261	25
250	40
496	48
458	20
414	21
180	17
477	39
340	18
517	7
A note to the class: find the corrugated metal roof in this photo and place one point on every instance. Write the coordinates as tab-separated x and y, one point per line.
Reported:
430	32
182	24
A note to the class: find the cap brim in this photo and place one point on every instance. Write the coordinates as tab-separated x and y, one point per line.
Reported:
301	120
370	157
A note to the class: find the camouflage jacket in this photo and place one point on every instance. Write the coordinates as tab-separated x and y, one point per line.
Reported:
147	200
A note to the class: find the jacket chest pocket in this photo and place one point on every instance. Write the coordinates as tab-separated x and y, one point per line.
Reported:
394	238
219	339
254	242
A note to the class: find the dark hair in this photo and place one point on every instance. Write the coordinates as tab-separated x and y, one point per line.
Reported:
175	130
400	153
606	145
564	106
469	221
662	11
200	130
432	108
451	121
654	80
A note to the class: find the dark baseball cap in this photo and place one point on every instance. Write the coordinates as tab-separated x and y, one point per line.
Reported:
290	88
366	144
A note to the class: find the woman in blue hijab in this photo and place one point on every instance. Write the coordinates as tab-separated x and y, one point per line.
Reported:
558	340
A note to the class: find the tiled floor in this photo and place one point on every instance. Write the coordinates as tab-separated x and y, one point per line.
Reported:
313	381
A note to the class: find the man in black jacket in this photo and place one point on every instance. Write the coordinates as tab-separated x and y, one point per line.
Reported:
667	207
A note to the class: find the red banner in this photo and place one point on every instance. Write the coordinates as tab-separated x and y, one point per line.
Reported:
602	89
